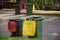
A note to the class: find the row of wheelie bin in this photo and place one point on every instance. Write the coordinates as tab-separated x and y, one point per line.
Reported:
30	27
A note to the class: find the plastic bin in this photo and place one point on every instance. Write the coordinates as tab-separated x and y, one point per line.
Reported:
38	32
17	9
12	27
29	27
29	7
19	22
19	26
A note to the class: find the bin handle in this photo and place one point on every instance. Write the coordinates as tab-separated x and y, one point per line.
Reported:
40	18
30	19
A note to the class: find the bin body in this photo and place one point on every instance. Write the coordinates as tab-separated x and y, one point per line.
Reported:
17	9
29	7
19	23
39	29
14	34
19	27
29	27
38	33
14	25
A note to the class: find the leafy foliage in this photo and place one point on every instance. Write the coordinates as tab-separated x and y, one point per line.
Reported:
17	38
44	3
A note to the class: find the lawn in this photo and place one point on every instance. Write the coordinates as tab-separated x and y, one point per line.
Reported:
17	38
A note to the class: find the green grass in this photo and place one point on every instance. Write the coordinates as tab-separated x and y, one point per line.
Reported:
5	10
17	38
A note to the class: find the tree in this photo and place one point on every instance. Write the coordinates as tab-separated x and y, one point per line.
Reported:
43	3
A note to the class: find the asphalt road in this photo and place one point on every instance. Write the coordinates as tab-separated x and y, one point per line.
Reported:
51	27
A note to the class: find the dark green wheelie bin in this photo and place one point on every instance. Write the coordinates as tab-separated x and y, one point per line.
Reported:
19	23
17	9
38	33
29	8
19	27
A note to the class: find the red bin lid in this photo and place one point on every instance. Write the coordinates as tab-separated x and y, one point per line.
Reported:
12	26
21	7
